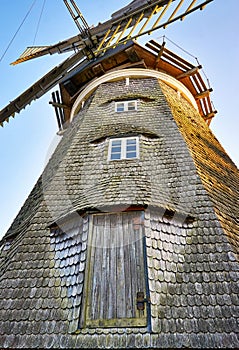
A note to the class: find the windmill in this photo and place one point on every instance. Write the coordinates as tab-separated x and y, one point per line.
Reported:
135	20
129	239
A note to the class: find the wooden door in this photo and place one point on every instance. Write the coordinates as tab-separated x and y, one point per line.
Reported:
116	271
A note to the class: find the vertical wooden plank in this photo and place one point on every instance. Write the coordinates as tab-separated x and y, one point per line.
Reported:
140	254
128	277
112	281
133	260
140	279
109	232
104	264
120	271
95	271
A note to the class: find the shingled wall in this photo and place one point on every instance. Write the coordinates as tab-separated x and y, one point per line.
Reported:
217	171
192	266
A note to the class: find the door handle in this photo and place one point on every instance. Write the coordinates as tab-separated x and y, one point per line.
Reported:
141	300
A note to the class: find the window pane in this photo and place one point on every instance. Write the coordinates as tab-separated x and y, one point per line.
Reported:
116	149
115	156
131	106
131	148
115	152
120	107
116	142
131	155
131	141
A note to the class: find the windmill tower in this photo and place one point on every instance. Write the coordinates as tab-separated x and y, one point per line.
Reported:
129	238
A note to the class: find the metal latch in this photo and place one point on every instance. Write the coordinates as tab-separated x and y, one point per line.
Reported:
141	300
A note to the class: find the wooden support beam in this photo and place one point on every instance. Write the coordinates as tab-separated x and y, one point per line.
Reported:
123	31
60	105
188	72
155	10
98	69
132	54
203	94
141	16
161	15
188	9
174	12
160	53
208	117
138	64
170	55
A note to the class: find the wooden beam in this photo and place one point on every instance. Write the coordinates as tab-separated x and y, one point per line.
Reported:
160	53
203	94
98	69
188	72
60	105
209	115
132	54
175	11
137	64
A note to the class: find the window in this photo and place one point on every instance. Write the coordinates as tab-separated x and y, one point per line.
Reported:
124	106
124	148
116	286
6	245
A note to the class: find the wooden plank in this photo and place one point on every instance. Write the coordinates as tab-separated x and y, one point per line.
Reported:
161	15
205	106
95	273
120	275
128	278
175	61
168	58
201	81
189	8
188	73
188	64
141	287
175	11
210	105
132	257
104	263
203	94
113	288
196	83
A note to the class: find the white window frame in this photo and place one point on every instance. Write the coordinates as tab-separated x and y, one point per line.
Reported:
125	106
123	147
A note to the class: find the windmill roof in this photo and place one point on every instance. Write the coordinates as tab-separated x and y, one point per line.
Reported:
154	56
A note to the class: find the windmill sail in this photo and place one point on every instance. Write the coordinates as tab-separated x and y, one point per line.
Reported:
134	20
31	51
39	88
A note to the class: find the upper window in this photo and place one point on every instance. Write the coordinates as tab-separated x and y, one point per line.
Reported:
124	106
124	148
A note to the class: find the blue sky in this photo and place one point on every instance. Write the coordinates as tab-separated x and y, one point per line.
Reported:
210	35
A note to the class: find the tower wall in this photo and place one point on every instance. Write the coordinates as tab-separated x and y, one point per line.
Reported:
190	263
218	173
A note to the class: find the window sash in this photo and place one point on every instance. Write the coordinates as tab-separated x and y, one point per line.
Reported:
124	148
125	106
